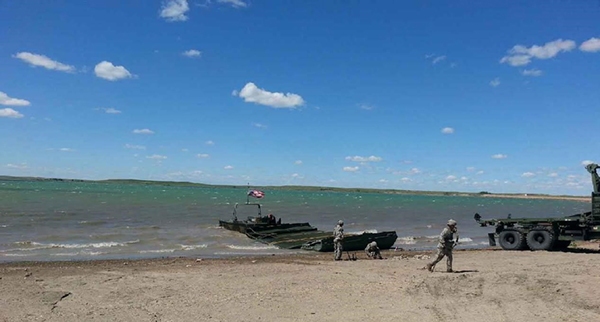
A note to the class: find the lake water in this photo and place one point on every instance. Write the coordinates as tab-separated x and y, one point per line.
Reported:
81	221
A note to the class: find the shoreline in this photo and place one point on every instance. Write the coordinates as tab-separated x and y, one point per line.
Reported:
305	188
582	246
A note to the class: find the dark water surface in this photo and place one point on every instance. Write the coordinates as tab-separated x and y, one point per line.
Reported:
76	221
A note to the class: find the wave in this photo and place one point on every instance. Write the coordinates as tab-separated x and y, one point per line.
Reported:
90	245
153	251
192	247
411	240
18	255
366	231
251	247
406	240
65	254
92	223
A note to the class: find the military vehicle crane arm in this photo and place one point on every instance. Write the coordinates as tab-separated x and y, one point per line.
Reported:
591	168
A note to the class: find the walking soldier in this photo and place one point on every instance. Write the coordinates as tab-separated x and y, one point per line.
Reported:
445	246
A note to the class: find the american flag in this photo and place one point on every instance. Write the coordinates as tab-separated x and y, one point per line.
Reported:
256	194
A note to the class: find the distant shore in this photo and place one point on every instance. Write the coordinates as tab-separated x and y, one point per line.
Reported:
311	188
488	285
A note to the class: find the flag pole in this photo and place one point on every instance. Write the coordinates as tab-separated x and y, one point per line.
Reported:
248	194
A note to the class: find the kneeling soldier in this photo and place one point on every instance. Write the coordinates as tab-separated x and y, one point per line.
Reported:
372	251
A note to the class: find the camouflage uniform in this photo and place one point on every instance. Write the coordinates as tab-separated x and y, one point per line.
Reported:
372	251
445	247
338	237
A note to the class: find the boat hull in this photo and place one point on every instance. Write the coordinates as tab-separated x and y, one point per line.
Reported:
245	227
385	240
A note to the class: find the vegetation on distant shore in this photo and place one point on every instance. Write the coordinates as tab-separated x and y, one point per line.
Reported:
302	188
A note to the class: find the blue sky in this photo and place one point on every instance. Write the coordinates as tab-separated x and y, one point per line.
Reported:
425	95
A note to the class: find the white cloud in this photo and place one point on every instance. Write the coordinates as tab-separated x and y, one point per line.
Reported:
438	59
156	157
471	169
185	150
447	130
532	72
586	162
252	94
108	71
9	101
21	166
464	178
142	131
298	162
553	174
406	179
202	155
364	159
110	110
516	60
383	180
495	82
134	147
210	143
295	175
174	10
234	3
499	156
521	55
228	167
451	177
66	150
415	171
260	126
366	107
10	113
591	45
350	169
36	60
192	53
528	174
480	172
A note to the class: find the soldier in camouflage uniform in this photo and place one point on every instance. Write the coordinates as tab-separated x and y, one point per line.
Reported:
338	238
445	247
372	251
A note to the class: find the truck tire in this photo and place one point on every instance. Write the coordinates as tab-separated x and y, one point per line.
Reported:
511	239
540	239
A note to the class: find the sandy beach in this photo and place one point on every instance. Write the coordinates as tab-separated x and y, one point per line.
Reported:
489	285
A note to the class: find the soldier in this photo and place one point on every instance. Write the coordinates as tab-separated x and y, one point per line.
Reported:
445	247
372	251
338	237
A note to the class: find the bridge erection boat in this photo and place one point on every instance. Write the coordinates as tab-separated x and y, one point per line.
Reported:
268	230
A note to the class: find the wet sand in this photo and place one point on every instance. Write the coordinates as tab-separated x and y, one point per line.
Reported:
489	285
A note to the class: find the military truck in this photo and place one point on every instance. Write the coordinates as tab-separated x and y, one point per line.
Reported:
548	233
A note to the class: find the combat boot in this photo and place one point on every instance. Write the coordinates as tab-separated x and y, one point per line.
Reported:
429	267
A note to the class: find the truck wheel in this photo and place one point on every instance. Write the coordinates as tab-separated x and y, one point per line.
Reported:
510	239
540	239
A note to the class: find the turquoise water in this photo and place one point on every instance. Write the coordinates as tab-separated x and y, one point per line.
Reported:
77	221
